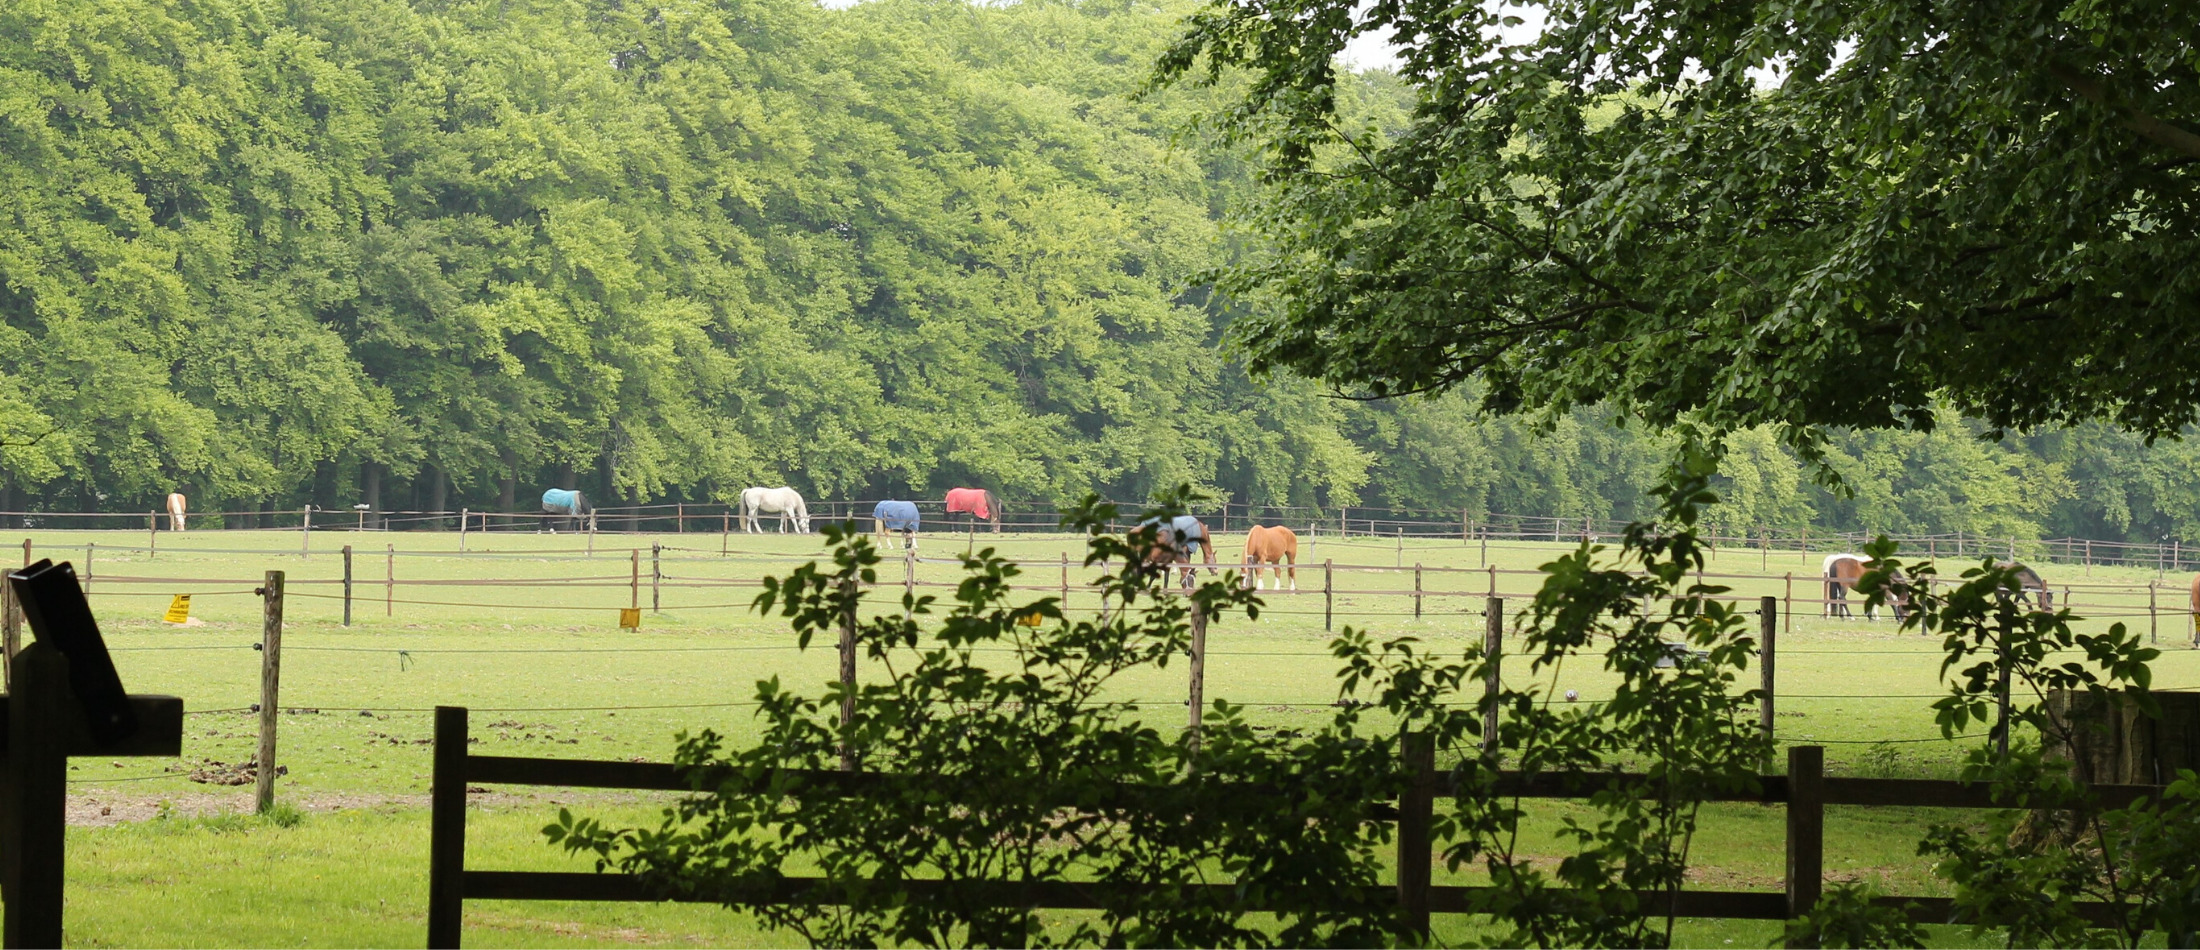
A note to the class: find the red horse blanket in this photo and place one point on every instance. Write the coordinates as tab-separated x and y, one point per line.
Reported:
972	500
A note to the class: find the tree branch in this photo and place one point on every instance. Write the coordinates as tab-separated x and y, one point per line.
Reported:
2149	128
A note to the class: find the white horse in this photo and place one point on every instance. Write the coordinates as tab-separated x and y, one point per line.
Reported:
783	501
175	511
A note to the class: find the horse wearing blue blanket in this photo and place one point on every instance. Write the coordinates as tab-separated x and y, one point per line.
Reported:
892	516
1172	545
572	504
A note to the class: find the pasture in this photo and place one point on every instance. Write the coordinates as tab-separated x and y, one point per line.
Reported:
522	627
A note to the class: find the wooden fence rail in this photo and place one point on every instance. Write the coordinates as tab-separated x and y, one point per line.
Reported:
1805	790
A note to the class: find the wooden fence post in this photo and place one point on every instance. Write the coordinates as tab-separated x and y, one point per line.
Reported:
1768	625
1416	590
847	674
1197	700
2154	624
152	536
656	578
1493	647
88	549
11	632
463	516
389	580
1065	582
347	585
271	674
679	517
1466	525
1329	595
305	532
634	582
1790	605
37	763
909	581
447	829
1416	816
1806	827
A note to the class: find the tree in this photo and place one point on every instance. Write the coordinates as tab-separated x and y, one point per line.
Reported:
1801	215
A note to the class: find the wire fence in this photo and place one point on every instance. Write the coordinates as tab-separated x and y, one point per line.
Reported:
1026	517
668	578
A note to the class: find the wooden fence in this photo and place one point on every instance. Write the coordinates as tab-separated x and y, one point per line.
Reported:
1805	790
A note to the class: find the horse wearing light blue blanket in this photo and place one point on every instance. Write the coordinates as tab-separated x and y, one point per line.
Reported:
892	516
572	504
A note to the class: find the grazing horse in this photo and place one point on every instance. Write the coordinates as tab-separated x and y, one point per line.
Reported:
1172	545
783	501
572	504
2029	584
980	504
1278	546
175	511
1843	571
891	516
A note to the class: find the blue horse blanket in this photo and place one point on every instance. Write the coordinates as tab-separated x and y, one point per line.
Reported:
1180	533
560	501
897	515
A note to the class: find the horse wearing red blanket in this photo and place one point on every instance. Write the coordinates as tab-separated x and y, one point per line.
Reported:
978	503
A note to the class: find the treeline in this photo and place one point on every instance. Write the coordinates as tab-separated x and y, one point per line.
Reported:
433	255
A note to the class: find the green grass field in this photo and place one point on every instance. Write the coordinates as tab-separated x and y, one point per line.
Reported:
523	629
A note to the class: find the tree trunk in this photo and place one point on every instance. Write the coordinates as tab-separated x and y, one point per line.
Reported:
439	494
370	490
2112	743
2115	744
506	496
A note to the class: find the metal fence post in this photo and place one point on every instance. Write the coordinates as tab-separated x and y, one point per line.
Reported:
656	578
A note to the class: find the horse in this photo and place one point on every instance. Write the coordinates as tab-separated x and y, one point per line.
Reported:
2028	583
1843	571
572	504
2196	608
175	511
891	516
980	504
1172	545
1278	546
783	501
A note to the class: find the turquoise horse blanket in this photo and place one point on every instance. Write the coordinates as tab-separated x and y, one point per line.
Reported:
560	501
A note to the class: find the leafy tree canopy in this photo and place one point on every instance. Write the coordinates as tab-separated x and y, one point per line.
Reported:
1796	214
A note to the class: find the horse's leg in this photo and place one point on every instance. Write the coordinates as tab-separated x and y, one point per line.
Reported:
1291	556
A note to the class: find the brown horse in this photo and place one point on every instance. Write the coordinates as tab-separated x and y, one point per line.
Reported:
2196	608
2029	585
1172	545
1277	546
1843	571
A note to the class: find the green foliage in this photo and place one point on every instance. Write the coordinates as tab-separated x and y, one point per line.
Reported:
2026	873
996	761
1845	917
1677	720
1798	215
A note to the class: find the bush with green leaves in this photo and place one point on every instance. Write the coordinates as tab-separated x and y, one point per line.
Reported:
1002	766
2025	875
